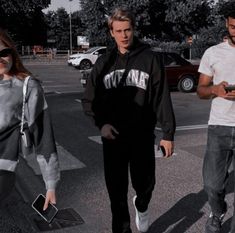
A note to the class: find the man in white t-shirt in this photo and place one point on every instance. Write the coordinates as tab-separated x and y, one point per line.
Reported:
217	70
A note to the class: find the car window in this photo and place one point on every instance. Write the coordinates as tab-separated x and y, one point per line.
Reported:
179	60
91	50
169	60
101	51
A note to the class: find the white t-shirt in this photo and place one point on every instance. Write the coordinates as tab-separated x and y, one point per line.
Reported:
218	62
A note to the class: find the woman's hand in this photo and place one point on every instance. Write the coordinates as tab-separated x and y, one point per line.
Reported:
50	198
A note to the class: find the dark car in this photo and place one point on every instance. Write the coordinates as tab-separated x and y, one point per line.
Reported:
180	73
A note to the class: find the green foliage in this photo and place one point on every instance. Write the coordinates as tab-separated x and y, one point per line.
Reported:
95	12
158	20
94	18
226	7
58	27
155	19
26	6
188	16
24	20
214	33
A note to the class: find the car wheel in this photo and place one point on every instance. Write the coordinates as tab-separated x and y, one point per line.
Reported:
85	65
186	84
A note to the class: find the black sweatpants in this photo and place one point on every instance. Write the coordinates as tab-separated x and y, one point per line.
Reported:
136	154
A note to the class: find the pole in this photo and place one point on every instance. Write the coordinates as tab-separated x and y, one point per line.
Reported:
70	29
190	52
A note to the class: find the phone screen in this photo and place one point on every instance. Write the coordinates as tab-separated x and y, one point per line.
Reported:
47	214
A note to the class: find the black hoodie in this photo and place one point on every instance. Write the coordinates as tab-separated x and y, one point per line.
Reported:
134	103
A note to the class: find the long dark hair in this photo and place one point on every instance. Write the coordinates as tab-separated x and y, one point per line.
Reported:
17	68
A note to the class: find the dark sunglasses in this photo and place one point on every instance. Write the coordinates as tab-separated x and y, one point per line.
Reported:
5	52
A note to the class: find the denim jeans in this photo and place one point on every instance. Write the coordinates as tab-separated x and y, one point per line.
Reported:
219	155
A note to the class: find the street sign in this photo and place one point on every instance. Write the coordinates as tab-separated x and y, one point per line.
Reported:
51	40
82	41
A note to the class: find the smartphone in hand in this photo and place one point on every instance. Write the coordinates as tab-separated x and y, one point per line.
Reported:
159	151
47	214
229	88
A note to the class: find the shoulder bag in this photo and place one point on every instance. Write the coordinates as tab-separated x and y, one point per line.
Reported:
26	141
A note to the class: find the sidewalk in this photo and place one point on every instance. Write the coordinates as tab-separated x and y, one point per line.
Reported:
44	60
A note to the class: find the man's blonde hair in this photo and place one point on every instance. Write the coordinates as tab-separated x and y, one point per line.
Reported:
121	14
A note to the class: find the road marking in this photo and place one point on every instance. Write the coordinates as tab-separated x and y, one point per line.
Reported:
78	100
98	140
47	81
66	161
53	86
187	127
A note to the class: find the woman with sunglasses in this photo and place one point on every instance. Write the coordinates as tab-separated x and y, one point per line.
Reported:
12	76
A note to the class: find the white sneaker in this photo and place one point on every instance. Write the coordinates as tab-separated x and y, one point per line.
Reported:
141	218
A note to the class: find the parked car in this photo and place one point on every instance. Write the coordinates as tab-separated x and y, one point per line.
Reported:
180	73
86	60
72	57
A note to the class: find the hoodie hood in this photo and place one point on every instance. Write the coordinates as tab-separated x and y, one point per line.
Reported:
136	48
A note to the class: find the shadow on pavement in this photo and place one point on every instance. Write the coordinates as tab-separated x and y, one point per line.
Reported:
186	212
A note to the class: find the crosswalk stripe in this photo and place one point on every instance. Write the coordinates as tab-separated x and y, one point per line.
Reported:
66	161
188	127
98	140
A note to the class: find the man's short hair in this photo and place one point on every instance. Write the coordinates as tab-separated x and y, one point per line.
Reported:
230	14
121	14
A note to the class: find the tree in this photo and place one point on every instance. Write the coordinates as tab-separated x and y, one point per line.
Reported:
94	17
188	16
24	20
164	20
58	27
95	12
213	34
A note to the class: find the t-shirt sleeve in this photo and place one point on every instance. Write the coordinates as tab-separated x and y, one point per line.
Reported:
206	64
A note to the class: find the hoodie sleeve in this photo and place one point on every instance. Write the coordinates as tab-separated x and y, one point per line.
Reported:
161	100
93	94
40	127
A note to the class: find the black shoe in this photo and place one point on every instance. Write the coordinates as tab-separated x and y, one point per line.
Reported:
213	224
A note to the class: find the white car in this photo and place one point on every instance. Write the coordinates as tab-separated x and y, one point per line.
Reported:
72	57
86	60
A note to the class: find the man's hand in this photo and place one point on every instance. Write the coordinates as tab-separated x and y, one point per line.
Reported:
230	95
50	198
168	146
218	90
108	131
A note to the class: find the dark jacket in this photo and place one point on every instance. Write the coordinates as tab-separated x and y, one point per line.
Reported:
136	102
38	120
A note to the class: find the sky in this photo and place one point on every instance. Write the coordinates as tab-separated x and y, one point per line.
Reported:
55	4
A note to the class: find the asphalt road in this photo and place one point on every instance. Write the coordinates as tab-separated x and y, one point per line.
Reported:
178	204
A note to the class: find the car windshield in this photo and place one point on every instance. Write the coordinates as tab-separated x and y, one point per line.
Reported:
91	50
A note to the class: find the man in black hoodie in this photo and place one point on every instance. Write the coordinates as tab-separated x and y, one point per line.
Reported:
126	94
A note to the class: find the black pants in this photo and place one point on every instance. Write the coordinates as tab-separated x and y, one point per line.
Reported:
7	182
120	155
